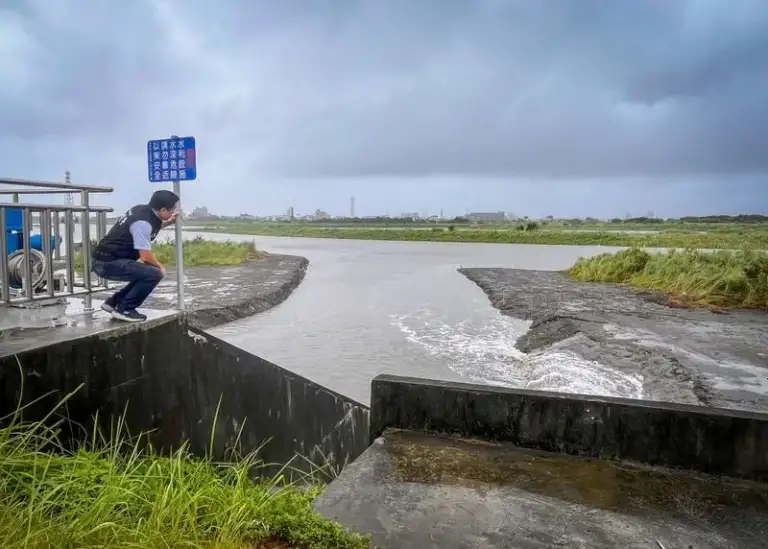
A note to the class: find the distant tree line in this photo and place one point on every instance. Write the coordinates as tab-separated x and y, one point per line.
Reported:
524	222
382	220
633	220
741	218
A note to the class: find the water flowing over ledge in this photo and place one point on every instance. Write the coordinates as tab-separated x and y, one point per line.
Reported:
628	343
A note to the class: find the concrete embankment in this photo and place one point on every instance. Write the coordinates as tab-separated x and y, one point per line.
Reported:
460	466
177	383
683	355
219	294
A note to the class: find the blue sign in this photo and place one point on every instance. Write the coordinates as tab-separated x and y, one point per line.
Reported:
172	159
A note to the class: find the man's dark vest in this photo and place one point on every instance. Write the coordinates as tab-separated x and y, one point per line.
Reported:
118	242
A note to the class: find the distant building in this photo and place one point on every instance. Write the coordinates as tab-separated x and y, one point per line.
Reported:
320	214
413	216
491	216
200	212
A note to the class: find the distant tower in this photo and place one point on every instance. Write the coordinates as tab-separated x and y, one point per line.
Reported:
352	207
69	198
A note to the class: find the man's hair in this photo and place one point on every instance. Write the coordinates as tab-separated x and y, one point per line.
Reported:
163	199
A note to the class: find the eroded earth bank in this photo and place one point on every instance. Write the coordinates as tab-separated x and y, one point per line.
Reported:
712	358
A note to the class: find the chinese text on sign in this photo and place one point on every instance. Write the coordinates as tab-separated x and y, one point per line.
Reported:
171	160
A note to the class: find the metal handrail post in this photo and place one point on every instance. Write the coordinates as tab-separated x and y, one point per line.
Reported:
26	222
5	293
69	228
45	230
57	235
101	220
99	236
86	249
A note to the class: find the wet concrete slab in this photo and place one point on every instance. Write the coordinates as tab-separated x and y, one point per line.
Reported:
687	356
75	325
411	490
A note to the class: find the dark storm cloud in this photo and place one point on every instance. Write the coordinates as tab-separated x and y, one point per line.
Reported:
346	88
629	88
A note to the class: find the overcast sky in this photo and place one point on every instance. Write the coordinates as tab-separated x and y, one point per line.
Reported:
562	107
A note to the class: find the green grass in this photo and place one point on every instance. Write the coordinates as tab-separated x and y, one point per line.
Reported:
114	494
690	277
199	252
721	239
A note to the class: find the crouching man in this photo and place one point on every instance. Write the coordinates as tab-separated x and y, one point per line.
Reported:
116	257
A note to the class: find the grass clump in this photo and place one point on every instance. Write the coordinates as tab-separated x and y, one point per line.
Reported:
115	495
690	277
198	252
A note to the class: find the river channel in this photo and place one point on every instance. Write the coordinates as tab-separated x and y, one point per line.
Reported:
371	307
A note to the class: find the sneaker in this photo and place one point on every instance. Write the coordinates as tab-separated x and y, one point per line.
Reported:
129	316
108	305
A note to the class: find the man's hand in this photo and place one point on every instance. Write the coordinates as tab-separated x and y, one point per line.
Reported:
171	219
149	258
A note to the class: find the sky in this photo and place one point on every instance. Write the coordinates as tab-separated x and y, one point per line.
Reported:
550	107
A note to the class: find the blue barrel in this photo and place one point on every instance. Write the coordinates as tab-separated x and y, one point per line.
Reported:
14	219
36	242
14	242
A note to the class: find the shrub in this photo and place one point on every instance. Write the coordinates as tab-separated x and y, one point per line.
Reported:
720	278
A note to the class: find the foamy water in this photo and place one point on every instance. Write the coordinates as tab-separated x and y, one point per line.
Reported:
485	353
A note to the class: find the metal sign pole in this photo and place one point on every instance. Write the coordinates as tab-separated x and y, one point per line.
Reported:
174	160
179	248
179	252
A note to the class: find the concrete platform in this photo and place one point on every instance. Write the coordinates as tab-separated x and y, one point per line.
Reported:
419	491
72	323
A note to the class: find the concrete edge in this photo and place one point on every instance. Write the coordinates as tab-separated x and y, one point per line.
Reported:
107	331
568	397
708	440
213	316
200	334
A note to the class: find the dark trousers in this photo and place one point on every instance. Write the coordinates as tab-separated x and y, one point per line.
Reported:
141	279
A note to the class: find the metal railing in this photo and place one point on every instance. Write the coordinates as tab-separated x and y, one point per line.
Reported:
29	274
